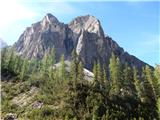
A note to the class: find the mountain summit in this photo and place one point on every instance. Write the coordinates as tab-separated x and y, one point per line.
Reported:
84	34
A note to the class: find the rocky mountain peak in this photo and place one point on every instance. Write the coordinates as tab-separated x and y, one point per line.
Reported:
84	34
88	23
49	19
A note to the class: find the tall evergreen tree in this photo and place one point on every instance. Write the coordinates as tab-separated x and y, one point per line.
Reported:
158	107
74	65
11	60
3	57
106	82
99	73
147	94
80	76
115	75
62	69
137	83
150	78
16	65
44	65
23	70
157	80
128	84
95	72
52	61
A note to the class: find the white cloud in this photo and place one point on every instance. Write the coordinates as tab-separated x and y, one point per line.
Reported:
13	10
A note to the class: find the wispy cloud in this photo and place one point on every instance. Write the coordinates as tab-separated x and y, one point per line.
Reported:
12	10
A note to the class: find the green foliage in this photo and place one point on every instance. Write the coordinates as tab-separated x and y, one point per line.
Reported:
24	69
135	95
80	76
158	106
115	75
74	66
137	83
62	69
40	114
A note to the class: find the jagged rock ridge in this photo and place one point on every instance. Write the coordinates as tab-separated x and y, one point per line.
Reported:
84	34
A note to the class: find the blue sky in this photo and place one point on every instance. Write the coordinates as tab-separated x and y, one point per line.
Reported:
133	25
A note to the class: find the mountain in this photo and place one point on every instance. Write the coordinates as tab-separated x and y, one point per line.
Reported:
2	43
84	34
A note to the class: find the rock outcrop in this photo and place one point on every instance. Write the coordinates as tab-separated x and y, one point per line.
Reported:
84	34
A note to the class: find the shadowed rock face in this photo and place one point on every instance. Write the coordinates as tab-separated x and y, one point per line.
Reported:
84	34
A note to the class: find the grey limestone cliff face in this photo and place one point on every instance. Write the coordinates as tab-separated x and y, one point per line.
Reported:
84	34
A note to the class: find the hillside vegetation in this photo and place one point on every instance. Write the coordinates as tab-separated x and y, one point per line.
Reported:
35	90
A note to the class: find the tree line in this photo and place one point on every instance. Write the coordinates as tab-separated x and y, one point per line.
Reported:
125	94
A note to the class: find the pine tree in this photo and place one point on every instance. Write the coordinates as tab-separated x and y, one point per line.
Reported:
158	107
106	82
3	57
99	74
62	69
128	85
44	65
115	75
147	94
53	57
11	60
52	61
23	70
157	80
80	76
95	72
74	65
137	83
150	78
16	65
